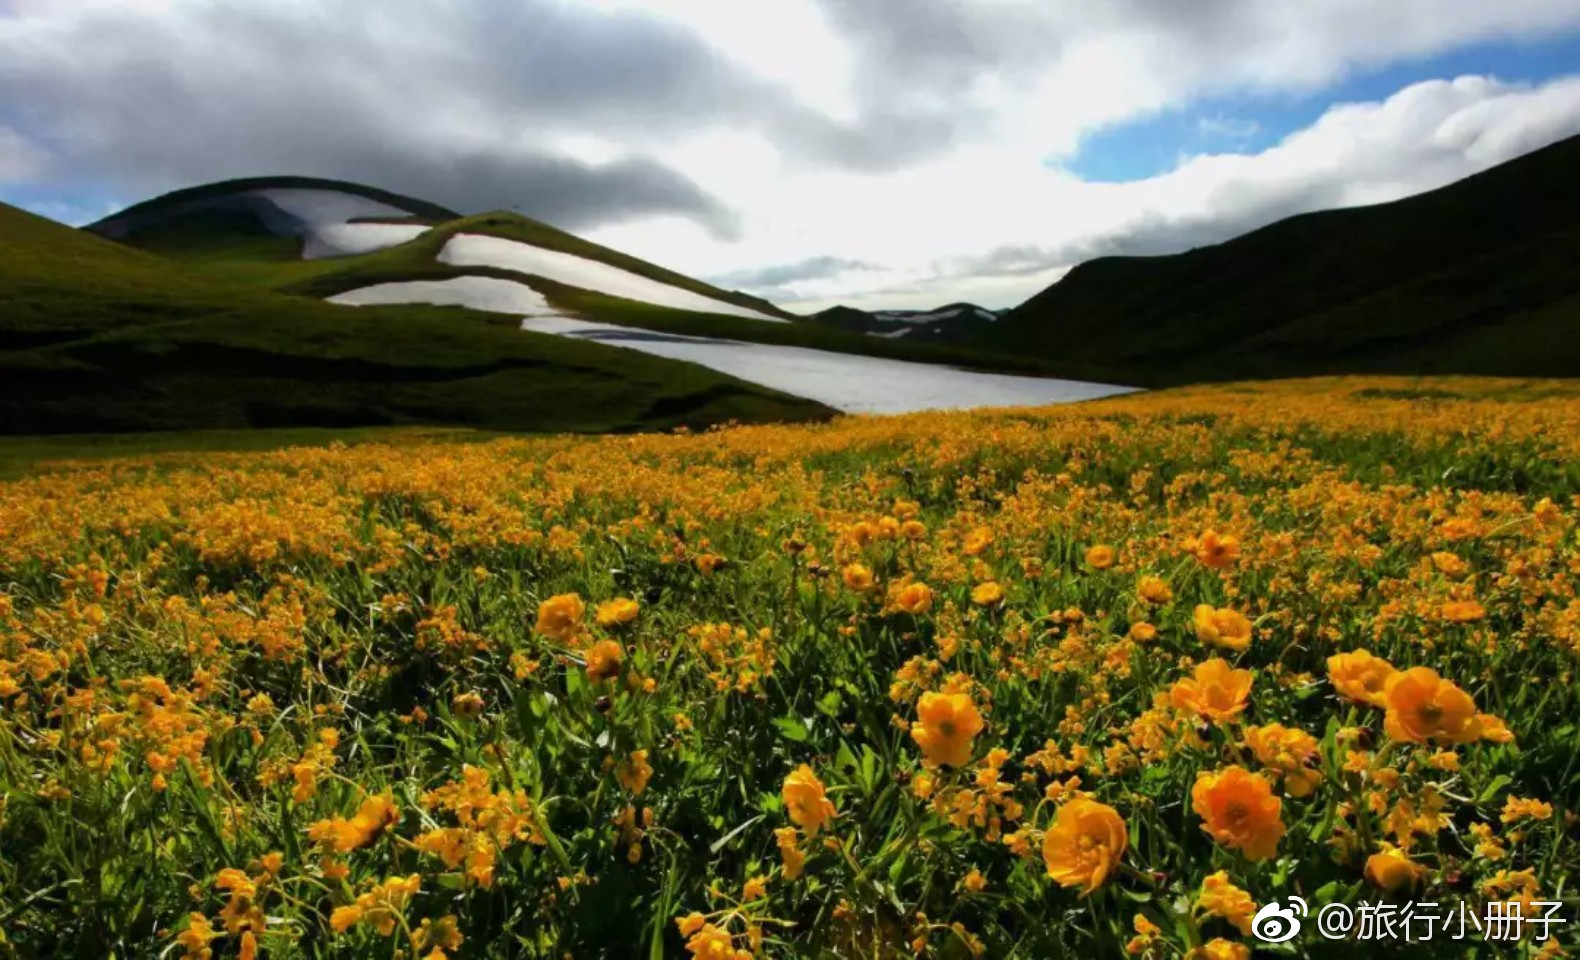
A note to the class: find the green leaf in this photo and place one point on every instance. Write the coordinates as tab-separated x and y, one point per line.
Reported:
869	769
1491	789
845	759
792	729
720	843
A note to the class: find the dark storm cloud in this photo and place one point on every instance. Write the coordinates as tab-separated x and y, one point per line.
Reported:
779	275
457	104
461	104
403	96
1154	234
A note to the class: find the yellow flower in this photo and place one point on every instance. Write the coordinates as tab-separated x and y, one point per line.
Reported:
1463	611
1239	810
1219	949
1217	550
976	541
1493	729
1154	590
690	923
1215	691
914	598
1084	844
603	661
1516	809
806	801
375	815
1222	628
560	616
1147	934
617	612
194	940
988	594
712	943
1143	632
794	858
858	577
441	934
1287	750
634	772
1100	557
1423	706
945	726
974	881
1220	897
468	705
755	888
1361	676
1391	868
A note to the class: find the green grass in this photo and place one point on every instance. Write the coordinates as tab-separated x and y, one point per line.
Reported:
261	265
1475	278
21	456
97	337
218	236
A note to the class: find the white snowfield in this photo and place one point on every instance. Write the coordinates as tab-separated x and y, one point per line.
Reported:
843	381
350	239
325	228
475	250
478	293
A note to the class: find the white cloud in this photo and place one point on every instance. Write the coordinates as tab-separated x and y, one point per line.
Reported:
20	160
997	226
726	138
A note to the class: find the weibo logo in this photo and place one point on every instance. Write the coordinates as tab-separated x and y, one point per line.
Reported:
1277	922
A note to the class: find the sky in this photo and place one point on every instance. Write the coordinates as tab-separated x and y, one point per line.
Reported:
878	153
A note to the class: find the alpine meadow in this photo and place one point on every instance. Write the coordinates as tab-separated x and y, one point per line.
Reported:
792	480
1058	682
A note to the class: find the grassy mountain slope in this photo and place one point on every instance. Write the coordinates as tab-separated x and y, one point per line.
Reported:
419	208
225	237
1476	277
99	337
256	262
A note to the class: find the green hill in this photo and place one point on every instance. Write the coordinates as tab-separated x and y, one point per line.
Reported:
186	224
237	248
176	198
99	337
1478	277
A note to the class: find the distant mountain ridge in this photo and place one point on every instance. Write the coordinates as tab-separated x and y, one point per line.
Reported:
1478	277
955	322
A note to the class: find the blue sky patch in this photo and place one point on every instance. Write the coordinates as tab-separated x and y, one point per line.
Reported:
1249	124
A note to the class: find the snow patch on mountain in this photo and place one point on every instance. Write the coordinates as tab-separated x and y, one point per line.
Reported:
479	293
476	250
